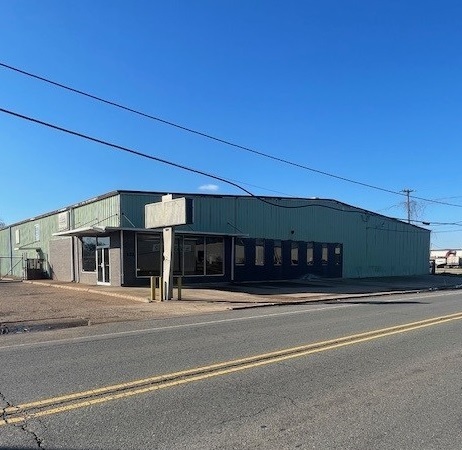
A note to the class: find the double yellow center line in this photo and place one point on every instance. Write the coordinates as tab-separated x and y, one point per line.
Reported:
64	403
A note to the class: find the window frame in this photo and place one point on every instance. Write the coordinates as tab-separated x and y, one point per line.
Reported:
156	239
277	258
325	254
92	257
294	245
309	253
338	254
208	263
239	243
259	252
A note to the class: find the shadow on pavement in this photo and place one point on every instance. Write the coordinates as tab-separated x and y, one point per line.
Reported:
376	302
341	286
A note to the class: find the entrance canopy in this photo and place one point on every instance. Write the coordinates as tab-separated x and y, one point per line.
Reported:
86	231
94	230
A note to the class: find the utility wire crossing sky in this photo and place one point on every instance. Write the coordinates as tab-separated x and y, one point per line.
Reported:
208	136
357	102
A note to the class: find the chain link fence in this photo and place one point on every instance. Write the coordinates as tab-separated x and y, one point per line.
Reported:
12	267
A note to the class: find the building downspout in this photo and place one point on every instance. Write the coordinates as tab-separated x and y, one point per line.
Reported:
232	258
72	260
11	250
74	269
122	271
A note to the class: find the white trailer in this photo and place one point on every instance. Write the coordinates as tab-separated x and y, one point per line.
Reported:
447	257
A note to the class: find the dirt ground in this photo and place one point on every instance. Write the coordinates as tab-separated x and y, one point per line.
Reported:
73	304
23	302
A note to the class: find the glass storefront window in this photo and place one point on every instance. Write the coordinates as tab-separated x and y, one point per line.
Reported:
178	256
103	241
214	254
193	249
192	255
89	254
148	255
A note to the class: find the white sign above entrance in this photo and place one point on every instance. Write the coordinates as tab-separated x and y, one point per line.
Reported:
168	213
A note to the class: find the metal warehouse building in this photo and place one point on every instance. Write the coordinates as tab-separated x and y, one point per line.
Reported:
232	238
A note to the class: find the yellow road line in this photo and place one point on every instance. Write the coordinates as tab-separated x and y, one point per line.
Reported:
22	412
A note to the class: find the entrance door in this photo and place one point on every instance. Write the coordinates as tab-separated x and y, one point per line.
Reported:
102	264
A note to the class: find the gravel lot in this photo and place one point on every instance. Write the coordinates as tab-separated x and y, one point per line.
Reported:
33	302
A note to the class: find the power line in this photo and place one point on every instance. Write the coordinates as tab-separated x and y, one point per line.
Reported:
190	130
447	231
457	224
408	205
214	138
200	172
389	207
119	147
170	163
449	198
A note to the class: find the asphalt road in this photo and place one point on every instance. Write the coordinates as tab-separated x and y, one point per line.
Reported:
397	388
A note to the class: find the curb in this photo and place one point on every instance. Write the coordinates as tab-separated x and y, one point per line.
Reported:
347	297
89	290
28	326
53	324
251	304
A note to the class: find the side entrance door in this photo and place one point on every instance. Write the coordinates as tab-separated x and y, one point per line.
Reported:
102	260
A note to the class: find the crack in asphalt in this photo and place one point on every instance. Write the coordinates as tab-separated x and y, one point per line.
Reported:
23	426
269	394
8	405
261	410
241	417
34	435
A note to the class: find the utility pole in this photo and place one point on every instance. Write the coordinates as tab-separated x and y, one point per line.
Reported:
408	203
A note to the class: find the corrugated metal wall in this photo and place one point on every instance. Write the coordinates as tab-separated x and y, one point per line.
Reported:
372	245
102	212
7	262
132	207
36	233
29	241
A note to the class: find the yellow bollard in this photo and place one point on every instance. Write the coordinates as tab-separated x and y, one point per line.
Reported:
154	282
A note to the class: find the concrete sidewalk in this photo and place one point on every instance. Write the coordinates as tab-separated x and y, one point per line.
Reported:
46	304
274	292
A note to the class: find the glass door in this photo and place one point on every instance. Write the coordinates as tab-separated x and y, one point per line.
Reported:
102	265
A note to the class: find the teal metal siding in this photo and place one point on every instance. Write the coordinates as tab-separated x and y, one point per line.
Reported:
103	212
7	262
33	243
132	207
373	245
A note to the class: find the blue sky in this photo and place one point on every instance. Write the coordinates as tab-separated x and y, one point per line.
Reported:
366	90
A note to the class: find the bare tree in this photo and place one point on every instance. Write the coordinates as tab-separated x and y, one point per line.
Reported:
414	209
